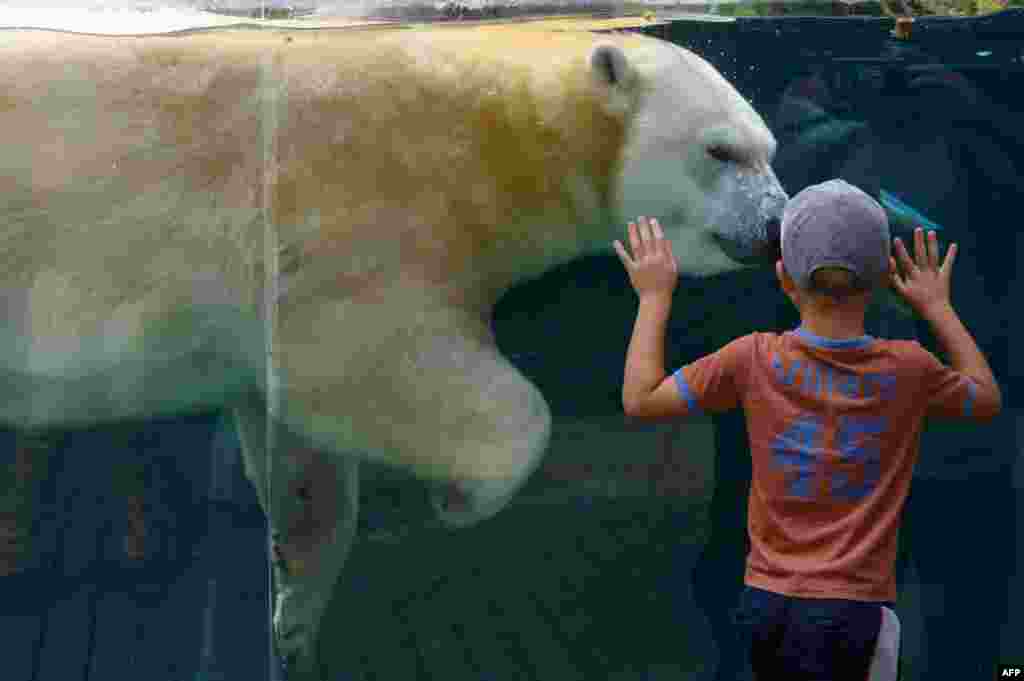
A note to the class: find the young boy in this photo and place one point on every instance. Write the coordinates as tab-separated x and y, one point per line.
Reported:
834	418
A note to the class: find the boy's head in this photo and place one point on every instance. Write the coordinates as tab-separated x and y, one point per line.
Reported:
835	246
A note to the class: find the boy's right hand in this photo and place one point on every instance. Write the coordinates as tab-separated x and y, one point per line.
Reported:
924	283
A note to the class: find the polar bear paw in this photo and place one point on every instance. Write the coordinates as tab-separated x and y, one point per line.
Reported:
298	607
465	503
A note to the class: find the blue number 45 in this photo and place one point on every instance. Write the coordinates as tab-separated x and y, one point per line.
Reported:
799	448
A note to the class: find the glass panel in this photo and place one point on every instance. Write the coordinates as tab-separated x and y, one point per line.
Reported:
258	261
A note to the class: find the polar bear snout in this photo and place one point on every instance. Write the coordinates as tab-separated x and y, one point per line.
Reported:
747	217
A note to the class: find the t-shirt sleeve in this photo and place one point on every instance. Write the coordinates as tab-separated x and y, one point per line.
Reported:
951	394
714	383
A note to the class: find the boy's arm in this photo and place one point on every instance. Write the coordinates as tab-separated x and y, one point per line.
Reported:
713	383
965	356
645	360
926	287
666	401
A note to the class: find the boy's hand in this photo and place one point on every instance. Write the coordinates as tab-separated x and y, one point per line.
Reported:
653	269
924	283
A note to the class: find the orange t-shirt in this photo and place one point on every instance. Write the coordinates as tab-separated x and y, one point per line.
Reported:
834	427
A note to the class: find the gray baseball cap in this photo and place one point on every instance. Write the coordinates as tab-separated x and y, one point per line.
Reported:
834	224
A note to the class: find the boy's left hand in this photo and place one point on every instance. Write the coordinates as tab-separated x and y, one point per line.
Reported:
652	270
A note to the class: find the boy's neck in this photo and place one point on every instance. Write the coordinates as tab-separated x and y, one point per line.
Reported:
834	326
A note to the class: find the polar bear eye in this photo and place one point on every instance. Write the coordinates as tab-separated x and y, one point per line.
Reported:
723	154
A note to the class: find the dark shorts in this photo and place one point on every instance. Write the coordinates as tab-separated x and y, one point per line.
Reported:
807	639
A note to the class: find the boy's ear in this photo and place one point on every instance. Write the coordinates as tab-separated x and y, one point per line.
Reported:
786	282
783	276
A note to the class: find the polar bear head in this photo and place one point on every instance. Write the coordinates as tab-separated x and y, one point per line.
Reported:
697	157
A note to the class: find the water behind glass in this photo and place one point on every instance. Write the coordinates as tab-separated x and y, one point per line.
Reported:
140	550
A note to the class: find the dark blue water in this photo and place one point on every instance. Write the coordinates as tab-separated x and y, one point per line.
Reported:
577	582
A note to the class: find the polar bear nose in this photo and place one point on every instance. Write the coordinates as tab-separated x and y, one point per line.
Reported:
773	241
765	250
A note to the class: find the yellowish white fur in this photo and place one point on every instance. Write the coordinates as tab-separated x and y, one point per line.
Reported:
413	177
453	161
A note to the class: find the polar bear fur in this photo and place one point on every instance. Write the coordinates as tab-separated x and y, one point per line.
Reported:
407	179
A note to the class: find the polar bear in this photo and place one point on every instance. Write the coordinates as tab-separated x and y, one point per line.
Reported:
350	205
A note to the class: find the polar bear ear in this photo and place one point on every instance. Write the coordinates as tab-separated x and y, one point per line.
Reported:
610	65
